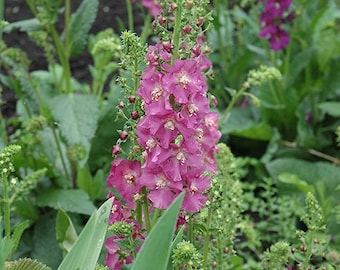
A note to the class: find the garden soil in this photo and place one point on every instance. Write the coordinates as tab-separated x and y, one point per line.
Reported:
110	12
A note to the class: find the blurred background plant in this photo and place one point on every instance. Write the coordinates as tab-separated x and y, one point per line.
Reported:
279	112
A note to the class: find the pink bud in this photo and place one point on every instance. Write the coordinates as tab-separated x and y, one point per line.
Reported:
123	135
115	150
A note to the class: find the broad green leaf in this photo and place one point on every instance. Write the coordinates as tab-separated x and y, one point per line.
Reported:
85	252
77	117
293	179
155	252
331	88
81	22
241	123
326	46
106	134
332	108
72	200
259	131
310	172
44	244
26	264
65	231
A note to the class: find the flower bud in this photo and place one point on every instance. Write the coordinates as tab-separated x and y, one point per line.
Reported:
123	135
132	99
121	105
135	115
115	150
187	29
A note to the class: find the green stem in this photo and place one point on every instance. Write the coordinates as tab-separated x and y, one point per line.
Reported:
234	99
139	214
191	230
206	242
63	58
67	28
146	211
61	155
130	15
146	29
156	214
7	213
177	33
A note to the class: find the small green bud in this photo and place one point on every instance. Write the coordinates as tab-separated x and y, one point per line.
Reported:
121	228
186	256
262	75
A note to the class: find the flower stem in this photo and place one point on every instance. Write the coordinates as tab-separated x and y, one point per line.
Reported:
177	31
130	15
146	29
146	211
61	156
7	213
232	103
206	241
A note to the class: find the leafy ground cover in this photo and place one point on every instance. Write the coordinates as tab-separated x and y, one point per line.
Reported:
207	130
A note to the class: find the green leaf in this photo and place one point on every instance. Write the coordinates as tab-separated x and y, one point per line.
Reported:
101	150
310	172
92	186
17	233
81	22
26	264
73	200
65	231
5	248
331	88
332	108
178	238
85	252
28	25
155	252
44	243
293	179
77	117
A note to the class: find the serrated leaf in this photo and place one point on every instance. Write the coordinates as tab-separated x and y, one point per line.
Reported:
77	117
26	264
85	252
81	22
17	233
332	108
72	200
155	252
27	25
65	231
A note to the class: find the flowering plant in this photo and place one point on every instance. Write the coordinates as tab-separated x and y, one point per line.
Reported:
127	166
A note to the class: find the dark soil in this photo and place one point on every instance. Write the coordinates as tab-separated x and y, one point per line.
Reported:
108	16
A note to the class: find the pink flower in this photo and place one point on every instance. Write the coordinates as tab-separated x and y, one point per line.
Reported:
162	189
184	79
195	186
272	18
113	259
119	212
153	6
124	177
